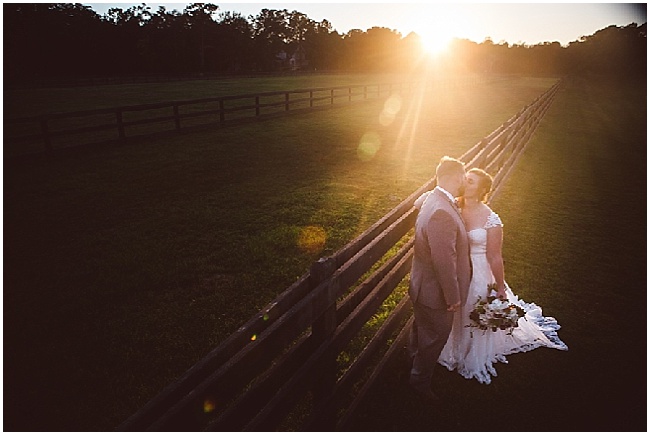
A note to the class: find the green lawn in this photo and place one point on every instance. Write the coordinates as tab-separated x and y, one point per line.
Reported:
103	126
574	212
125	266
35	102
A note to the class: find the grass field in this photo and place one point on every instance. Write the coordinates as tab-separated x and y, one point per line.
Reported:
102	127
575	243
24	102
125	266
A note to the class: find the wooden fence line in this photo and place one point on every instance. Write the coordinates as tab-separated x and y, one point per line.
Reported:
286	355
120	123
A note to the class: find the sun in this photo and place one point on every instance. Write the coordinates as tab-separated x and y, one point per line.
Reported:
436	41
436	44
438	25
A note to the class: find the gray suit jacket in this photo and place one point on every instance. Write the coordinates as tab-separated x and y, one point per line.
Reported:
441	269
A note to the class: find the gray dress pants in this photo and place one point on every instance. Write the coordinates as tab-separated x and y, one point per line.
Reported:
428	337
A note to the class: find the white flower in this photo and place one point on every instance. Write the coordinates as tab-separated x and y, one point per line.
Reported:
499	305
512	315
495	315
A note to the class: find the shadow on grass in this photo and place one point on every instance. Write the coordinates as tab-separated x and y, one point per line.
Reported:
574	244
125	266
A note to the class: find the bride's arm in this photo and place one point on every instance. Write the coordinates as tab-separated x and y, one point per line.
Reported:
418	202
494	257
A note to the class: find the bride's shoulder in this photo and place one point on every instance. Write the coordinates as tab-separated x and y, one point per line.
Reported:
420	201
493	219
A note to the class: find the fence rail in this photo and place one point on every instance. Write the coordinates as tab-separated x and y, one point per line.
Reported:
38	134
283	361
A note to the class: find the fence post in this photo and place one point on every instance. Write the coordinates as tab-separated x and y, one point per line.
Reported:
322	329
46	135
311	98
349	94
286	101
257	105
321	271
332	96
177	118
120	124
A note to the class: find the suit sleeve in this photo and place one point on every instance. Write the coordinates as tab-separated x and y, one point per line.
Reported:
442	234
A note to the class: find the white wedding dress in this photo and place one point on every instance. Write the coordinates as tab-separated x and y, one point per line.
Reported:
473	352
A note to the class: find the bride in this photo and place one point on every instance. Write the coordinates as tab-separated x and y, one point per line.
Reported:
473	353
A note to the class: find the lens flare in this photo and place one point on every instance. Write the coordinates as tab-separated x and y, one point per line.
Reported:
209	405
392	107
312	239
368	146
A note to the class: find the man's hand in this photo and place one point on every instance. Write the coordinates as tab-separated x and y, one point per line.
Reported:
454	307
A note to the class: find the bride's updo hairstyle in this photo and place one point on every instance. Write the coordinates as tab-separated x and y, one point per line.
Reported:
484	184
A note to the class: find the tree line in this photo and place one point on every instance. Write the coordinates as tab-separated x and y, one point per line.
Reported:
71	40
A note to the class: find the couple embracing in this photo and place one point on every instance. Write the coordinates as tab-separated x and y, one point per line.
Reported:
458	241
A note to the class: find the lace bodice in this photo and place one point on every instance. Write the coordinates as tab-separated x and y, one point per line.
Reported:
493	221
478	236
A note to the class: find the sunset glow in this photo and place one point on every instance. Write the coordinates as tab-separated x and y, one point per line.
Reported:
436	42
562	22
437	26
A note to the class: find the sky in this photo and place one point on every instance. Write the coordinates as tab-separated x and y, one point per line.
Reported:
513	23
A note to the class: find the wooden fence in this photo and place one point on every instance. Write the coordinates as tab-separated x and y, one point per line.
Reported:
283	368
38	134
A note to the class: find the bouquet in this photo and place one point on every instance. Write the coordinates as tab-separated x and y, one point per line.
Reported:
495	314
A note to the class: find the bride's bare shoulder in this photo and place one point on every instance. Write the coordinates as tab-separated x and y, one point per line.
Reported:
486	209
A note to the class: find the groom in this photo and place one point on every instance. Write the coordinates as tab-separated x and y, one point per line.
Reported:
440	273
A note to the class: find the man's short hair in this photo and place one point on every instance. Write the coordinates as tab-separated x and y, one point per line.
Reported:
449	166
